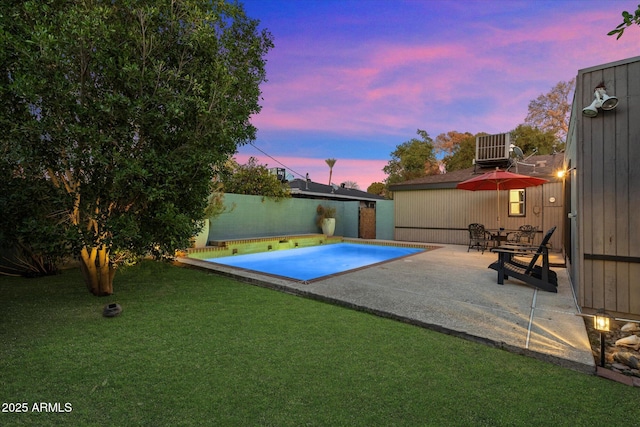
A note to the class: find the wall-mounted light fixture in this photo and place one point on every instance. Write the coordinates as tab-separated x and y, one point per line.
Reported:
602	100
563	172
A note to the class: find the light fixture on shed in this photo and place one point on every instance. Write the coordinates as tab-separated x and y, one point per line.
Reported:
602	324
562	173
591	110
602	100
608	102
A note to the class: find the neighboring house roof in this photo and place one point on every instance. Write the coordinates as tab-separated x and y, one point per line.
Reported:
315	190
544	166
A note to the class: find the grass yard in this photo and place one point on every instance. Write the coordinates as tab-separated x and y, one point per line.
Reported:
192	348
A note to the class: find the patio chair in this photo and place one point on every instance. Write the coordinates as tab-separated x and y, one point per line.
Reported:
538	276
525	234
479	238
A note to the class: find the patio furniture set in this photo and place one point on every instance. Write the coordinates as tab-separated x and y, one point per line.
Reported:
533	269
481	237
512	245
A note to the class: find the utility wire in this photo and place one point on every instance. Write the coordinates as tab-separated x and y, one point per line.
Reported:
277	161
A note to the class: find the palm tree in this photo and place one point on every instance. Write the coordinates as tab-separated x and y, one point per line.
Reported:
330	162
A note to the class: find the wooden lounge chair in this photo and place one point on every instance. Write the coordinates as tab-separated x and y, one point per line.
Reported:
538	276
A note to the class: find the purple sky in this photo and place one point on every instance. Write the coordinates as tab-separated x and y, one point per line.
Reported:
352	79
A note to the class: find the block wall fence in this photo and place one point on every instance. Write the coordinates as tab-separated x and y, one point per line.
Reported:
257	216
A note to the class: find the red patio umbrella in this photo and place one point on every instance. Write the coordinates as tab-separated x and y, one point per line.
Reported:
500	180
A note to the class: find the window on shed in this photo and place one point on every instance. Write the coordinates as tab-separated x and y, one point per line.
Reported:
516	203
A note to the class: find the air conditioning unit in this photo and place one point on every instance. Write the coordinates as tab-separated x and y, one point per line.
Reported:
281	173
492	150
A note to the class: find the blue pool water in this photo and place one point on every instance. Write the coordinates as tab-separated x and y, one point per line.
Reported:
317	261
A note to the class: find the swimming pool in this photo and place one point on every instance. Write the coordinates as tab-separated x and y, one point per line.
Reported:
315	262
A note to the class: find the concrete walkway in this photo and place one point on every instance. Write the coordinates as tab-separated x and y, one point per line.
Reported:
452	291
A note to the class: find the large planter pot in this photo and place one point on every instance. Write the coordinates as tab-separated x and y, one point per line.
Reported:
201	240
328	226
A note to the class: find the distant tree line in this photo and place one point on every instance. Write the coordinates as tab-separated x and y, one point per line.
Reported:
543	131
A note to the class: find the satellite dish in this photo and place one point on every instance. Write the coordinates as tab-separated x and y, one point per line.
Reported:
517	151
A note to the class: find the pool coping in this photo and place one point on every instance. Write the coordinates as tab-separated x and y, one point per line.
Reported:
328	276
253	276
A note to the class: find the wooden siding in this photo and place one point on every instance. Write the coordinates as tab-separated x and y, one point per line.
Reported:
607	158
443	215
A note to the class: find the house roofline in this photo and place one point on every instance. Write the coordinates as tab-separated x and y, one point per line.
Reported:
424	186
609	65
542	166
297	191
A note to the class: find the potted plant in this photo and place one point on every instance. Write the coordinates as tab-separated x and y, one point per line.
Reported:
326	219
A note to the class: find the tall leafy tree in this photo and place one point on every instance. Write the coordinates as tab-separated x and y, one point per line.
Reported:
377	188
458	149
446	144
412	159
125	107
528	138
551	112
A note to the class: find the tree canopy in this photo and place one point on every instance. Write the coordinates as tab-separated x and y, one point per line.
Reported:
253	179
412	159
551	112
458	149
529	138
377	188
122	110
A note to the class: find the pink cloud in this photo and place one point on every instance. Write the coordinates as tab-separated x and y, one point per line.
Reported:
391	56
480	79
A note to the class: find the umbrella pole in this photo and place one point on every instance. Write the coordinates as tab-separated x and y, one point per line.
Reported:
498	191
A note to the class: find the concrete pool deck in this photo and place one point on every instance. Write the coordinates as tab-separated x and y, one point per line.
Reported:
452	291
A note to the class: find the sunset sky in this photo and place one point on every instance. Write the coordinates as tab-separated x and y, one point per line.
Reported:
352	79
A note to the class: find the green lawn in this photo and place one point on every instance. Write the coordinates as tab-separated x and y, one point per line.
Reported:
191	348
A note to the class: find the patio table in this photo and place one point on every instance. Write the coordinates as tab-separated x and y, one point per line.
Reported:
499	234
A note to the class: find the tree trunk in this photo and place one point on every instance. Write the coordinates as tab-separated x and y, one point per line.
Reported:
97	271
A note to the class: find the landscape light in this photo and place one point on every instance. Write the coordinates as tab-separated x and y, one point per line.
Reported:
602	323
